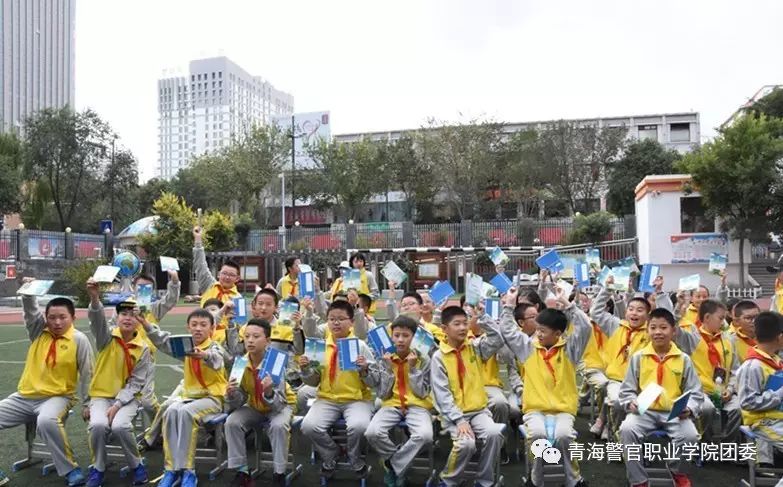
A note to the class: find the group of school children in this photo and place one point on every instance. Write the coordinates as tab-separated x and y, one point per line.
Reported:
619	345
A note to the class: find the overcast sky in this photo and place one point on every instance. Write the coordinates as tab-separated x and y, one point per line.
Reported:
382	65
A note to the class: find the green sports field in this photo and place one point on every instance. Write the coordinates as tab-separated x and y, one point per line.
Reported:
13	347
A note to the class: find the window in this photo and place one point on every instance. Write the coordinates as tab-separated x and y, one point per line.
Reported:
680	132
693	216
648	132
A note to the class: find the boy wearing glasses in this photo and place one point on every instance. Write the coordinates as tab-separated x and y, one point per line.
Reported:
341	393
223	288
744	335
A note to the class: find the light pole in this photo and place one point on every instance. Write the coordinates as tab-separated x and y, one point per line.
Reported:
281	230
293	165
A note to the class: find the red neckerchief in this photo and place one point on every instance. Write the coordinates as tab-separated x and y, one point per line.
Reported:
751	342
629	333
402	387
547	355
753	353
461	370
333	364
52	354
294	285
660	362
195	367
129	362
599	336
712	350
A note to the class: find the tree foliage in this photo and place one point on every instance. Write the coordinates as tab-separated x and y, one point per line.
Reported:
592	228
640	159
738	175
11	163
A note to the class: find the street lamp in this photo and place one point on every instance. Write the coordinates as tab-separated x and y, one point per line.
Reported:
281	229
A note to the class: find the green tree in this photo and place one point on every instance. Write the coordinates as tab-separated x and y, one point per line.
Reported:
771	105
738	175
65	151
592	228
11	163
524	181
404	170
575	157
345	176
147	193
467	161
642	158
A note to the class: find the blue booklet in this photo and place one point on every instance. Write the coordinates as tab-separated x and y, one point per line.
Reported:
380	341
473	287
181	345
238	369
347	353
306	285
240	311
550	261
718	262
679	405
502	283
492	308
352	279
649	273
315	350
593	258
273	365
603	276
582	274
144	296
441	292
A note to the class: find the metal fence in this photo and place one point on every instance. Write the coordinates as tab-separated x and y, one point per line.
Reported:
86	246
503	233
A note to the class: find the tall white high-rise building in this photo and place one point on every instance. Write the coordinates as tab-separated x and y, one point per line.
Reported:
36	58
216	102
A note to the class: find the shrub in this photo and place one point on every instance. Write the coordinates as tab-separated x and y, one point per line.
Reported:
76	278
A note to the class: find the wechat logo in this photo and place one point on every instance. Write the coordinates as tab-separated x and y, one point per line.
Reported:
542	448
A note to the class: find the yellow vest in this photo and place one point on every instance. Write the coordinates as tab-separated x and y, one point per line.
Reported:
688	321
742	344
491	372
214	381
671	382
752	417
47	375
616	354
470	396
248	384
779	296
594	356
549	391
111	371
704	368
216	291
287	286
411	399
347	386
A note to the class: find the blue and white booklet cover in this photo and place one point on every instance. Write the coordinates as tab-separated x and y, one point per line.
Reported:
622	276
315	351
550	261
679	405
593	258
168	264
38	287
603	276
238	369
649	273
273	365
380	341
690	283
287	310
473	287
105	273
144	295
348	353
423	342
502	283
306	285
775	382
392	272
498	257
718	262
441	291
582	274
181	345
492	308
240	311
352	279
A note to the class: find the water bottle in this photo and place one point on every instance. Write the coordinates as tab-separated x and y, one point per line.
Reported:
550	429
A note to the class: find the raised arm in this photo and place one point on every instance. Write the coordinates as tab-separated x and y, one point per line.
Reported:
165	304
84	361
203	276
372	283
97	317
582	330
360	324
605	320
34	320
488	344
520	344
